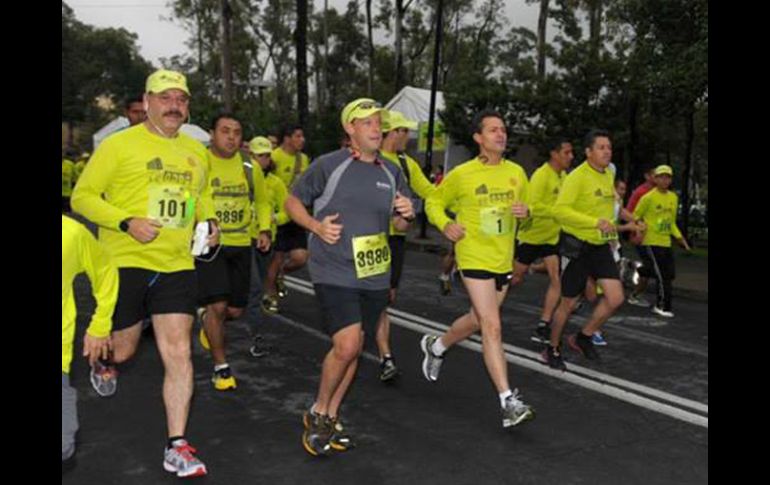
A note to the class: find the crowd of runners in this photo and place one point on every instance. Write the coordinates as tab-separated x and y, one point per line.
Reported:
155	193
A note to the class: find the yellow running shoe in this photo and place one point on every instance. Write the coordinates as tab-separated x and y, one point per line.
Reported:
223	380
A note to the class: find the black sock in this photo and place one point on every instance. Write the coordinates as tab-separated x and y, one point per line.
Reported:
554	350
583	336
172	440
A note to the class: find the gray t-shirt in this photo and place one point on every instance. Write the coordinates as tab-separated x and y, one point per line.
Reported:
362	193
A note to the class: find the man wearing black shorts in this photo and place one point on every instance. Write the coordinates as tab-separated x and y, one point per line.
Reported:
584	209
146	187
539	238
225	275
355	195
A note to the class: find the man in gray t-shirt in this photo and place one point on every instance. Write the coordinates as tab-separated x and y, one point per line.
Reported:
354	196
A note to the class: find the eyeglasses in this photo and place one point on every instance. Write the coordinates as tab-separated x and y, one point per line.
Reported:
368	105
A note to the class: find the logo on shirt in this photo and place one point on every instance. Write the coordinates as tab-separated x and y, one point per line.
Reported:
598	192
216	182
155	164
556	190
191	162
512	181
382	185
482	189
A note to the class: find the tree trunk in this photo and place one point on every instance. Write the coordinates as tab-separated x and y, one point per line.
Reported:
370	80
399	45
199	19
595	26
227	67
323	96
301	48
542	23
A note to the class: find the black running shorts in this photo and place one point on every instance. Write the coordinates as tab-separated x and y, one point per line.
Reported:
343	307
501	279
143	292
226	278
595	261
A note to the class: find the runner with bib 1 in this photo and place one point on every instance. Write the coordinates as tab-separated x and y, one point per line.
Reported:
496	221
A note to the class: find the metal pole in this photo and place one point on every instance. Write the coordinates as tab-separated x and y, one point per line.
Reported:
431	116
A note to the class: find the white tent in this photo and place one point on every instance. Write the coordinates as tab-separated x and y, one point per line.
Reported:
121	123
117	124
414	103
196	132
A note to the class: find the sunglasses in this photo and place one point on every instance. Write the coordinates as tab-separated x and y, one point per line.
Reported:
368	105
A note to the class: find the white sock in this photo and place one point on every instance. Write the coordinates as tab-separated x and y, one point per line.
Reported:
438	347
443	277
503	396
221	366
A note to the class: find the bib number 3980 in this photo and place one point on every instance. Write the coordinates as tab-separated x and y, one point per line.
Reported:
371	255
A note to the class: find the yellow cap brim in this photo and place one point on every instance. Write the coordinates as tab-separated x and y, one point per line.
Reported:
361	113
410	125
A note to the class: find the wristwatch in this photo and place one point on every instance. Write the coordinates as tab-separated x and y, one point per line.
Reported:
123	226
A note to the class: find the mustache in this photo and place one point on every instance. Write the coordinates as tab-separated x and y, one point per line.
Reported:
173	113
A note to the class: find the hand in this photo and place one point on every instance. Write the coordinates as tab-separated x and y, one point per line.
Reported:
327	230
684	244
403	206
520	210
214	235
605	226
143	230
95	348
454	231
264	241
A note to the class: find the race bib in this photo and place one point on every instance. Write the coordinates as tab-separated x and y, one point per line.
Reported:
663	225
232	212
171	205
371	255
608	236
496	221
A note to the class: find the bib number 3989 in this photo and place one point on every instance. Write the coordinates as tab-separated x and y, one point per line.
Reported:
371	255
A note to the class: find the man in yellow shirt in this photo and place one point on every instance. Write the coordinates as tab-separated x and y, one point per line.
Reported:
291	239
225	276
540	238
67	181
145	187
658	208
488	194
585	211
260	148
80	252
395	130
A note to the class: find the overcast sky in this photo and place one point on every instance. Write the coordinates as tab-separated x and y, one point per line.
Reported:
160	38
